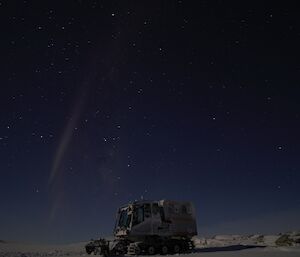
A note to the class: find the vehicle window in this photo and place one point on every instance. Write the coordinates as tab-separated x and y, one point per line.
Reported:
123	219
162	213
189	210
176	210
171	208
183	209
155	208
128	220
138	215
147	210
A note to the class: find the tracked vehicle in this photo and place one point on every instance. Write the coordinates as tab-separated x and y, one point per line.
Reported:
150	227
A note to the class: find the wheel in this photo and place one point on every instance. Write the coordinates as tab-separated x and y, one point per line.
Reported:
164	249
151	250
89	251
176	248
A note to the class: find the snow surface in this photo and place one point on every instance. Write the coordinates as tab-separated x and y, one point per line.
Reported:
217	246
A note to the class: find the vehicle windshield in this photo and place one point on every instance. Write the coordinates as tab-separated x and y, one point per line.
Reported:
124	220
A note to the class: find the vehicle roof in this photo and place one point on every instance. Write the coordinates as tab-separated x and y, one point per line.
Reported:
151	201
139	202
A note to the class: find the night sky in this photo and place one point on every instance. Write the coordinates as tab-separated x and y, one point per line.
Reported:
105	102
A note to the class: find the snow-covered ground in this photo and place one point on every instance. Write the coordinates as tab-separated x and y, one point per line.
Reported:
217	246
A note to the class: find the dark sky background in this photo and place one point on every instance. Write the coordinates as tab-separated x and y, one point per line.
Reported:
105	102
